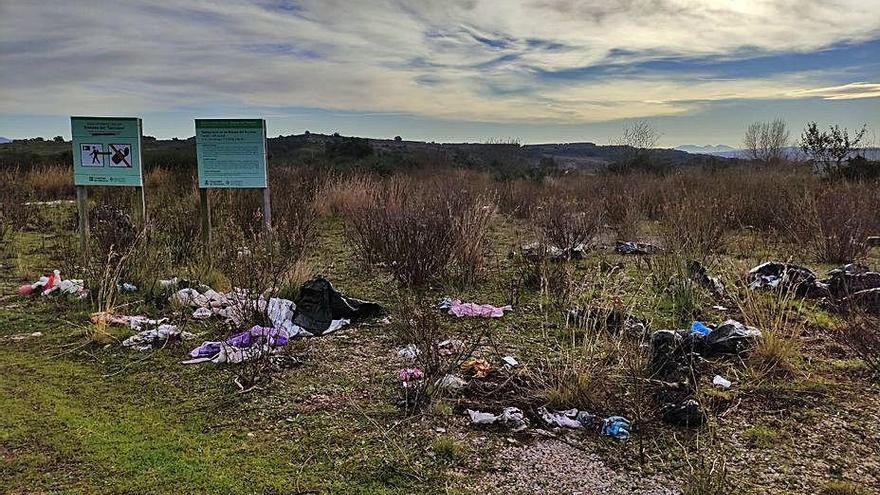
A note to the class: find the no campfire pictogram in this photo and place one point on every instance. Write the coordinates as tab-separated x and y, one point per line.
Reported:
119	155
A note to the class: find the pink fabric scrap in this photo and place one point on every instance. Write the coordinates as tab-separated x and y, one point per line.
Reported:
460	309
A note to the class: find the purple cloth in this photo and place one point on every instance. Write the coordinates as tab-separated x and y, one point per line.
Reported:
460	309
257	334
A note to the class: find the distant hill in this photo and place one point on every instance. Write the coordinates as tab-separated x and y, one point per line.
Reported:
717	150
313	148
4	140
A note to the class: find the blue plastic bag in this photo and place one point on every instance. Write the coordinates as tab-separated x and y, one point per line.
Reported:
700	328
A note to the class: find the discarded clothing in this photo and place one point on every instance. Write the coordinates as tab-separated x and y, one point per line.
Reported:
617	427
257	340
511	417
409	352
53	283
787	277
571	418
408	377
635	248
318	305
450	347
155	337
611	320
451	382
480	368
457	308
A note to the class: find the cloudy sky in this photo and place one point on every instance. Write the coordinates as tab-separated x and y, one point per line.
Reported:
450	70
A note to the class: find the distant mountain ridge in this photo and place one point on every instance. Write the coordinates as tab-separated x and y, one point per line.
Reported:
709	149
4	140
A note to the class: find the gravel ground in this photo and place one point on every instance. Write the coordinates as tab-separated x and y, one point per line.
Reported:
553	466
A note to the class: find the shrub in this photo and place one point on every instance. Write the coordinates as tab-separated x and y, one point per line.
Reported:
568	224
861	334
832	225
422	232
694	223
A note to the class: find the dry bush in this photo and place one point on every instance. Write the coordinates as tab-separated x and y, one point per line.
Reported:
567	224
339	194
421	232
50	182
519	198
421	327
832	224
623	209
694	223
861	334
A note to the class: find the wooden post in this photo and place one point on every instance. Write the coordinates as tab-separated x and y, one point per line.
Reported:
267	209
205	214
82	207
140	206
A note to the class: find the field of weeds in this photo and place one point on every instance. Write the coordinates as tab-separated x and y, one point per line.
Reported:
382	405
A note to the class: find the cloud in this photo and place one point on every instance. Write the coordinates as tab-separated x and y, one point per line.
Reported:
482	61
850	91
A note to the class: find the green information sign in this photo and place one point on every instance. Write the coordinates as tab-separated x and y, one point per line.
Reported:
231	153
106	151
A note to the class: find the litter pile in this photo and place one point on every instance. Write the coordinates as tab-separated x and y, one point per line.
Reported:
52	283
849	285
537	252
632	247
457	308
674	354
318	310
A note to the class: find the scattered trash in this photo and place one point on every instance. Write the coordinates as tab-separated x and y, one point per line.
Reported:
611	320
240	347
53	283
18	337
451	382
511	417
631	247
408	376
722	382
537	251
480	368
849	280
450	347
617	427
408	352
718	307
127	287
202	313
155	337
510	362
385	321
459	309
700	274
319	305
785	276
571	418
700	328
731	337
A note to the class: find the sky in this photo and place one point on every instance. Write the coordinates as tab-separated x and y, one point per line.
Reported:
699	71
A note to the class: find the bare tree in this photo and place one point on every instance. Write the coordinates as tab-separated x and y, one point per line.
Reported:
636	145
765	141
